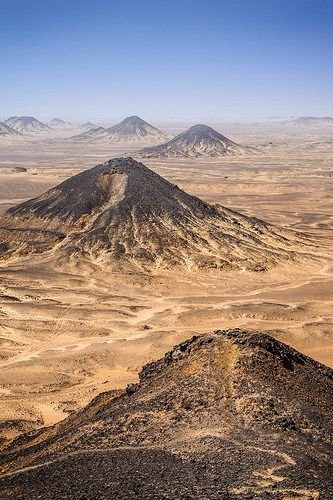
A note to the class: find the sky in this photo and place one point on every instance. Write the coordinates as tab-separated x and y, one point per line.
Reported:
166	60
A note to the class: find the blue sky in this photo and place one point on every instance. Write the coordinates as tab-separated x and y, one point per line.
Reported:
166	60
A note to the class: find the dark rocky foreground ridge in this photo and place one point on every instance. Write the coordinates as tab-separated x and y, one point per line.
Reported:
122	212
231	414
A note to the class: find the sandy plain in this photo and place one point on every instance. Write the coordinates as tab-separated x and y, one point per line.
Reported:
68	334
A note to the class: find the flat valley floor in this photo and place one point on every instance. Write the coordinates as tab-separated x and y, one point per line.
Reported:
68	334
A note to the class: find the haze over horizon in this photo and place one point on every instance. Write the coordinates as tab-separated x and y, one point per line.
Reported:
191	61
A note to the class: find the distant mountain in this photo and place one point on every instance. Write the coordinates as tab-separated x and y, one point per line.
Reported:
233	414
124	213
132	129
58	123
312	121
87	126
7	132
27	125
196	142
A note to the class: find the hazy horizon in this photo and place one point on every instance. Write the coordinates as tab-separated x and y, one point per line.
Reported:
181	124
189	62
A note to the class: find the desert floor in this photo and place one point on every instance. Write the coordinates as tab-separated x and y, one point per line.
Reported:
69	334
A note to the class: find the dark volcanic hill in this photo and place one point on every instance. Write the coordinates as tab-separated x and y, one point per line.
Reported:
27	125
132	129
232	414
121	211
196	142
8	132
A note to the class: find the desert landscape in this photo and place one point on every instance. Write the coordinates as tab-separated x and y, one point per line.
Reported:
166	250
69	331
77	319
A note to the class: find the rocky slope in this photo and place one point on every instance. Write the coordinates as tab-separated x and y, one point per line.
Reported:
132	129
27	125
231	414
122	212
196	142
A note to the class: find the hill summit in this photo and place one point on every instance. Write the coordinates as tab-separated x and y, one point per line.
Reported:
123	211
198	141
230	414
